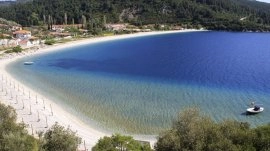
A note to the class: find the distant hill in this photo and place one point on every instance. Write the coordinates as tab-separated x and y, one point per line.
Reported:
234	15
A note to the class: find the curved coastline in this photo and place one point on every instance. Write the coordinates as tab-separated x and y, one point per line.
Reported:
29	104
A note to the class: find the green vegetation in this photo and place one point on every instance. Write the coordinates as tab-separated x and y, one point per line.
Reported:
238	15
14	137
193	132
16	49
118	142
49	41
190	132
8	22
57	138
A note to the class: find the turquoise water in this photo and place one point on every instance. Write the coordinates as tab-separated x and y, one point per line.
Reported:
139	85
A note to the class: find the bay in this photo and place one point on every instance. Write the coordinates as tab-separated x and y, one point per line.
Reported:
139	85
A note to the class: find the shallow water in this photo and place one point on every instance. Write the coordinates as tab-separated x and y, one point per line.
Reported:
139	85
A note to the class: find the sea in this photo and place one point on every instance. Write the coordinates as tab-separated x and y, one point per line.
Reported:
139	85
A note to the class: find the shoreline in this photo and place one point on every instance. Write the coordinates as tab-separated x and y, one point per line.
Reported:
34	111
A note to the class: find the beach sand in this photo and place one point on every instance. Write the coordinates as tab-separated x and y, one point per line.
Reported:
40	113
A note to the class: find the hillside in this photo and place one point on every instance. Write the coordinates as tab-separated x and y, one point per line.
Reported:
8	23
213	14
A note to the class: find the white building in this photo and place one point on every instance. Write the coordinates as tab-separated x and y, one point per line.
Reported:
25	43
8	43
116	27
34	41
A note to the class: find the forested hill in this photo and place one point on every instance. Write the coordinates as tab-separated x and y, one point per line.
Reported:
213	14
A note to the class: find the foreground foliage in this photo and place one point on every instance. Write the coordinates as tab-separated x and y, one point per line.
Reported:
57	138
118	143
14	137
194	132
190	132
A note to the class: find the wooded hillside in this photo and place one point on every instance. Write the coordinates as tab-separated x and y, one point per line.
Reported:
213	14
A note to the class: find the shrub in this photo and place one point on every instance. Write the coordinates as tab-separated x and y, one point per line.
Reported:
192	131
119	142
50	41
57	138
17	49
13	136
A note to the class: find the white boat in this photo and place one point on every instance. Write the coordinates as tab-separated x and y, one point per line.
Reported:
254	110
28	63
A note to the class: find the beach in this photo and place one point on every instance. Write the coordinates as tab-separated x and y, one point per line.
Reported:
39	113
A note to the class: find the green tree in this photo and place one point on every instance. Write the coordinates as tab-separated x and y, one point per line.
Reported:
13	136
57	138
34	18
65	18
194	132
17	49
19	141
118	143
84	22
262	138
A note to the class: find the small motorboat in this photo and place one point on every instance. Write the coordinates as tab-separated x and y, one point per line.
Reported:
254	110
28	63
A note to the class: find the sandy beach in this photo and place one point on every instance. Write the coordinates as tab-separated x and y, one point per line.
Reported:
40	113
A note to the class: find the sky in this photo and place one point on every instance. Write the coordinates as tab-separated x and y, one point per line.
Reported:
267	1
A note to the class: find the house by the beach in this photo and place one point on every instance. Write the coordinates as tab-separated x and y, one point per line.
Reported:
25	43
34	41
116	27
29	42
60	35
3	42
177	28
22	34
22	38
61	28
13	43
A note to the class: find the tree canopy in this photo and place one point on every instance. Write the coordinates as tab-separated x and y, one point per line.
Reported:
194	132
118	142
57	138
14	136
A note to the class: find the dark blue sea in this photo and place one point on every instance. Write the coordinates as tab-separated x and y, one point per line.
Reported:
139	85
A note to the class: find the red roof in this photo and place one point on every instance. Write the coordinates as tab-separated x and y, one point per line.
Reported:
22	32
23	42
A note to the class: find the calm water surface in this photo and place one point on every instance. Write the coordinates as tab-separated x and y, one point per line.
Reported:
140	84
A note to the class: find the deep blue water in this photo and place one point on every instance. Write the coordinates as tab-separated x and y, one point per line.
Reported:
145	81
220	59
